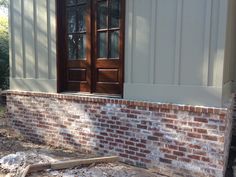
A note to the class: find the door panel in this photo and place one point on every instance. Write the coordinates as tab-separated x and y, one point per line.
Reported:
92	48
108	58
78	45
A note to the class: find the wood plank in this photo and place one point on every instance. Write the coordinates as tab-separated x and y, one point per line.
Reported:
77	162
67	164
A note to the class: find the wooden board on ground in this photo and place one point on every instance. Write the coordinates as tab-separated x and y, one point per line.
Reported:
67	164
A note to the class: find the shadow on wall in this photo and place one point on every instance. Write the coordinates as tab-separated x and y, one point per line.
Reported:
115	129
34	48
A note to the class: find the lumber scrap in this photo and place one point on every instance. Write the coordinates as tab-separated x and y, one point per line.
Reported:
75	163
67	164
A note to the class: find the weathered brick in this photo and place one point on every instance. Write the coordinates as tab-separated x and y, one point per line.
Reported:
200	119
165	160
178	153
153	138
194	135
141	133
195	157
208	137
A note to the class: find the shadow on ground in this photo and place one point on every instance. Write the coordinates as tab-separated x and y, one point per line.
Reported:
231	170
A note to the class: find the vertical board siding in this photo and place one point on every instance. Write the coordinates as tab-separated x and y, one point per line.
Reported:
52	40
17	25
42	31
165	39
33	44
178	37
29	42
207	39
129	37
141	51
192	52
212	80
171	42
152	42
11	41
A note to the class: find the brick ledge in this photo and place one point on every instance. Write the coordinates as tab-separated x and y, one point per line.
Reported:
111	100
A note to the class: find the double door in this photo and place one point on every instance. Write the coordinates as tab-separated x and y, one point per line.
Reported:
93	45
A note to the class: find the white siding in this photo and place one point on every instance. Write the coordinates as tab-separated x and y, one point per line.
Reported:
33	45
175	45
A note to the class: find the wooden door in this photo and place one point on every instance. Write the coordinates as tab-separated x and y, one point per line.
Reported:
108	46
78	39
90	46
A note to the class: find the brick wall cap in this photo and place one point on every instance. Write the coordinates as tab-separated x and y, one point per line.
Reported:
113	100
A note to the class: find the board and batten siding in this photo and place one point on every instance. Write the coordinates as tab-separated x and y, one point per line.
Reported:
230	53
175	50
33	45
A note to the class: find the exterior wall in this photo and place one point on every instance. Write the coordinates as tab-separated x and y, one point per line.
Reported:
175	140
33	45
179	59
175	50
230	53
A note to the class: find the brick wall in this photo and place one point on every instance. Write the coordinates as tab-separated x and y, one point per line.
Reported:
172	139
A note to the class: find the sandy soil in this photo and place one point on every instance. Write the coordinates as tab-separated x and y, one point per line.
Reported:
11	143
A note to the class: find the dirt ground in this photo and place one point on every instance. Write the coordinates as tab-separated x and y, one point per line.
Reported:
13	144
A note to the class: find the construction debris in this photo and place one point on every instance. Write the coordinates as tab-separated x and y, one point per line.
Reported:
67	164
16	155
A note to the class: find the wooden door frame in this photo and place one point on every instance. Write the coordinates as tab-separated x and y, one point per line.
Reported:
61	49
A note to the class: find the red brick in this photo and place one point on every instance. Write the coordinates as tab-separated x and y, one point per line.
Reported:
184	159
145	151
200	119
134	158
170	157
141	145
195	157
178	153
123	155
165	160
172	147
129	143
208	137
183	149
142	126
158	134
205	159
194	135
170	121
133	148
140	154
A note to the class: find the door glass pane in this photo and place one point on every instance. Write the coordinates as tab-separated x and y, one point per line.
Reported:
71	19
82	1
71	47
81	18
114	44
82	46
102	45
102	15
114	13
71	2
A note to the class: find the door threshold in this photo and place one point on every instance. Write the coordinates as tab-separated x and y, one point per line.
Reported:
99	95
